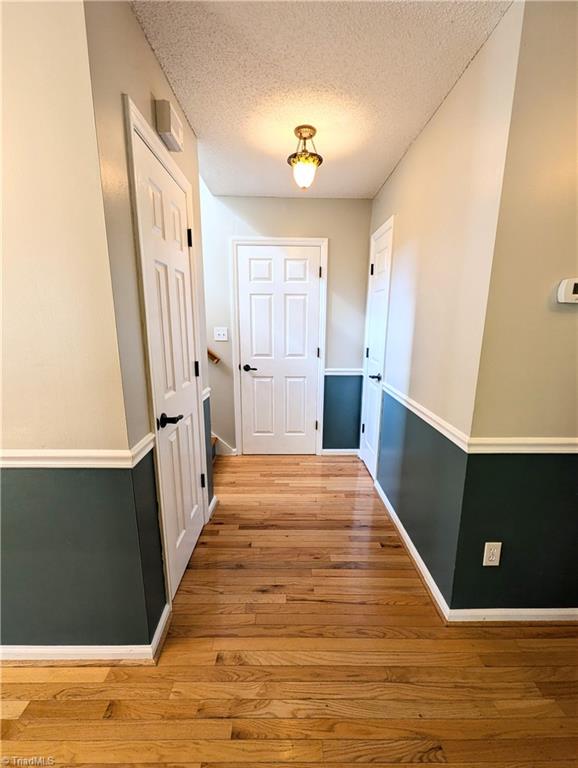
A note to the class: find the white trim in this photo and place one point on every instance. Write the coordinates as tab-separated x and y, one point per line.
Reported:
141	449
523	445
65	458
340	451
415	555
64	653
223	448
206	393
470	614
213	506
344	371
513	614
323	244
484	444
324	247
449	431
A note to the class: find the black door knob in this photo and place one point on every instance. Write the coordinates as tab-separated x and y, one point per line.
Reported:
164	420
247	367
377	377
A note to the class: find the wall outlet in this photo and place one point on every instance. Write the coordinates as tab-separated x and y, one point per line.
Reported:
492	553
220	333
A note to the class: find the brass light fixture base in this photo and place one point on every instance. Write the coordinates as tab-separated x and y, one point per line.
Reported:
305	132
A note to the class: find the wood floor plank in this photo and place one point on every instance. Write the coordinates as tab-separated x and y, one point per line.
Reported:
302	635
164	750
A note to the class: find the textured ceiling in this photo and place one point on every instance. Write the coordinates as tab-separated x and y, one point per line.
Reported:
368	75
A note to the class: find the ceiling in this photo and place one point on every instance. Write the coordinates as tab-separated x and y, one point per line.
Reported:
368	75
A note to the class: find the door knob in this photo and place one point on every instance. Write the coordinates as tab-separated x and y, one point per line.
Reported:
164	420
247	367
377	377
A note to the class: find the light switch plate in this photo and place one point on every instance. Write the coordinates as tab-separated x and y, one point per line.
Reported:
220	333
492	553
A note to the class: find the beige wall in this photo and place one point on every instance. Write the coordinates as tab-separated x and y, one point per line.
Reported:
61	374
121	61
344	222
445	196
527	384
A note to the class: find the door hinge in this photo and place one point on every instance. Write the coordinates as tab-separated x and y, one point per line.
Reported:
196	367
371	270
190	238
366	351
362	428
202	479
320	271
316	425
318	352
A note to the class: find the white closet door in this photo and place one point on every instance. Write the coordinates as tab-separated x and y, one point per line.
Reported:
278	303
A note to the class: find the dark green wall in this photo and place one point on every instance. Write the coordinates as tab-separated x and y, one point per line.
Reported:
342	411
530	503
208	446
423	473
150	545
81	556
450	503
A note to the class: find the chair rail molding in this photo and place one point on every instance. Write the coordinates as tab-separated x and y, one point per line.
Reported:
82	458
471	444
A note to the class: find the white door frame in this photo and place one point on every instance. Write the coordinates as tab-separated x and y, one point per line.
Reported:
322	243
135	123
373	237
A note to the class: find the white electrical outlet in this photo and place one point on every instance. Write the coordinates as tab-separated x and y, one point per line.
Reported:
220	333
492	553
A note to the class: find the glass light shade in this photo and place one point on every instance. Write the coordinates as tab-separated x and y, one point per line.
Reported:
304	173
304	165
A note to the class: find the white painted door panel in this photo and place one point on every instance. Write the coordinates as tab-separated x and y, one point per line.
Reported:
375	336
162	217
278	304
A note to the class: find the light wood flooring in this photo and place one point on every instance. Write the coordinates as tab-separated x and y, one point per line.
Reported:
303	635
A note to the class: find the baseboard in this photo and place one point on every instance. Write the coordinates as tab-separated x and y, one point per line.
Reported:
127	654
428	579
513	614
339	452
214	503
480	615
223	448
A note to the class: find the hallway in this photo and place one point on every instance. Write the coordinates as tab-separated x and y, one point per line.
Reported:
302	634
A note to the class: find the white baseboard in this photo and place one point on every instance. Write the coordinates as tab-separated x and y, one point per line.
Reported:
339	452
127	653
213	506
471	614
415	555
513	614
223	447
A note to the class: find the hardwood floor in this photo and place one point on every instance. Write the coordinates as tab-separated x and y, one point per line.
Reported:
303	635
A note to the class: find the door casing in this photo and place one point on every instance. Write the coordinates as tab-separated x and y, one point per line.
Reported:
135	123
322	243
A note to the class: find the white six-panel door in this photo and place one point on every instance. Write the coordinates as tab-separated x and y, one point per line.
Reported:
162	221
375	336
278	301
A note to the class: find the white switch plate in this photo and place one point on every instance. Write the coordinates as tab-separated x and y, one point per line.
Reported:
492	553
220	333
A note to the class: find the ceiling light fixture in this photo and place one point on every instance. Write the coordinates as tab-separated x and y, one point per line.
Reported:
304	162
